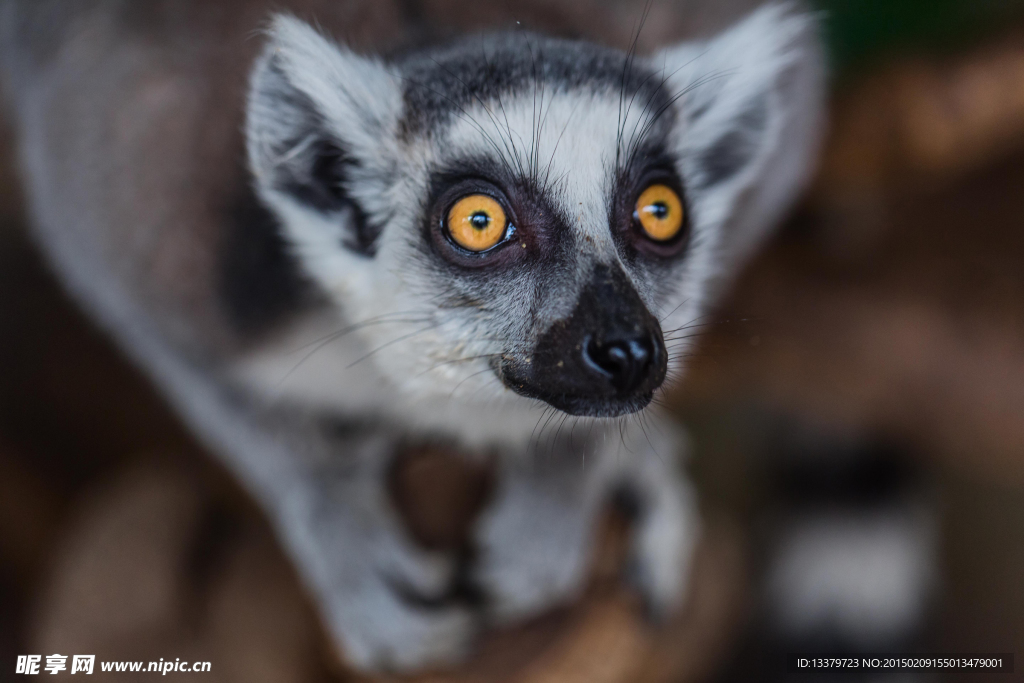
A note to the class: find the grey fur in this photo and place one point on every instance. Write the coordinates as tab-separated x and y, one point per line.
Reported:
374	324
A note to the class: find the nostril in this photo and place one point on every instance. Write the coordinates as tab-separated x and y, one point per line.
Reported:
624	361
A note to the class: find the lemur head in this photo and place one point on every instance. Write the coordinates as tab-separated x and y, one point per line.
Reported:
520	216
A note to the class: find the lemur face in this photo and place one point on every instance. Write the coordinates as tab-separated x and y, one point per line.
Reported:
520	216
562	247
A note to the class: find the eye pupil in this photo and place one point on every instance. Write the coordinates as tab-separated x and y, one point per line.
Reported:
480	220
659	210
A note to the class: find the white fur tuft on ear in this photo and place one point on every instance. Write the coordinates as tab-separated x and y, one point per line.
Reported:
347	89
321	121
751	112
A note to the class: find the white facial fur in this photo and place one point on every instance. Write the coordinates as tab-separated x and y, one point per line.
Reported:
415	361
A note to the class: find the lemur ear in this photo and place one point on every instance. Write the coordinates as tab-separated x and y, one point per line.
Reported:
750	119
319	124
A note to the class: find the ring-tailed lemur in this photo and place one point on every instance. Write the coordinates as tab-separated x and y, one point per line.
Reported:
464	243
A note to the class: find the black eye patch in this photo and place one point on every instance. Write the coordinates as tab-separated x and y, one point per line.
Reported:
540	230
649	165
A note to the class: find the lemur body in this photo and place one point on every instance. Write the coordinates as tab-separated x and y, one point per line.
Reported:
307	331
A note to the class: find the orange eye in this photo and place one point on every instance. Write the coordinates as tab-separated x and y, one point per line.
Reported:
660	212
476	222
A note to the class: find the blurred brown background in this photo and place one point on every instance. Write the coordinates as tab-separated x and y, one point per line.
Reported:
890	305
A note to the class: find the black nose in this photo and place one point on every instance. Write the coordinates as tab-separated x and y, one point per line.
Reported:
626	362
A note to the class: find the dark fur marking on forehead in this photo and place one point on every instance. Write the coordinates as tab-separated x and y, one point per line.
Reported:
442	82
